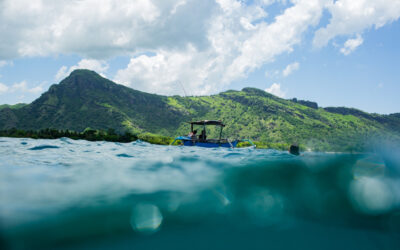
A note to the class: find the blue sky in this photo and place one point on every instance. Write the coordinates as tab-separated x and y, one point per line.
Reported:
337	53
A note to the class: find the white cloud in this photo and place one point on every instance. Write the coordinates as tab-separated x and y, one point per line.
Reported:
23	87
219	41
354	16
275	89
6	63
62	73
36	90
271	40
162	72
200	70
100	29
272	74
269	2
3	63
239	42
290	68
204	44
3	88
20	86
100	66
351	44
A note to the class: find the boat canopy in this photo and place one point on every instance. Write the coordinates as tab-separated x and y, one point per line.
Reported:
208	122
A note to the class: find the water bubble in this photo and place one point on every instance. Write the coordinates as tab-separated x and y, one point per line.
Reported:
265	207
146	218
371	195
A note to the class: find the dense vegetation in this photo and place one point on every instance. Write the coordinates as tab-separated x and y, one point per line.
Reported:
85	99
15	106
88	134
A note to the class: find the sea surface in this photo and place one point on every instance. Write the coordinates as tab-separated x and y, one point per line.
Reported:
75	194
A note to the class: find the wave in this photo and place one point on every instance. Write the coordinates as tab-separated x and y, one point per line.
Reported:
137	195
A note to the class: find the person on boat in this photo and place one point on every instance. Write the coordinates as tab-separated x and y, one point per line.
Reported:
193	135
203	136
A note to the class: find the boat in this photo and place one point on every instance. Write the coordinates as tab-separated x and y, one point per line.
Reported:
202	141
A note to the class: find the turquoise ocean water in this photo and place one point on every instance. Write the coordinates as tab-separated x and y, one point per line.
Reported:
66	194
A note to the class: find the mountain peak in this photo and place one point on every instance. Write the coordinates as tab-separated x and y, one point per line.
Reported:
258	92
84	73
84	78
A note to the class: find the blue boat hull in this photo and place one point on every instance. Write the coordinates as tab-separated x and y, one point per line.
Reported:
209	144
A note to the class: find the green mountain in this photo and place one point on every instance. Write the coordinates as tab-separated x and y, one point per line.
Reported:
85	99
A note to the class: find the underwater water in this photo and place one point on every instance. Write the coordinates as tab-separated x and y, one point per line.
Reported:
67	194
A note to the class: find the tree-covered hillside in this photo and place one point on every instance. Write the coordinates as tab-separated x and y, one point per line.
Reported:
85	99
15	106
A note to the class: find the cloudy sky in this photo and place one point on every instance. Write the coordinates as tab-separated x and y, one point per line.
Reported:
337	53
